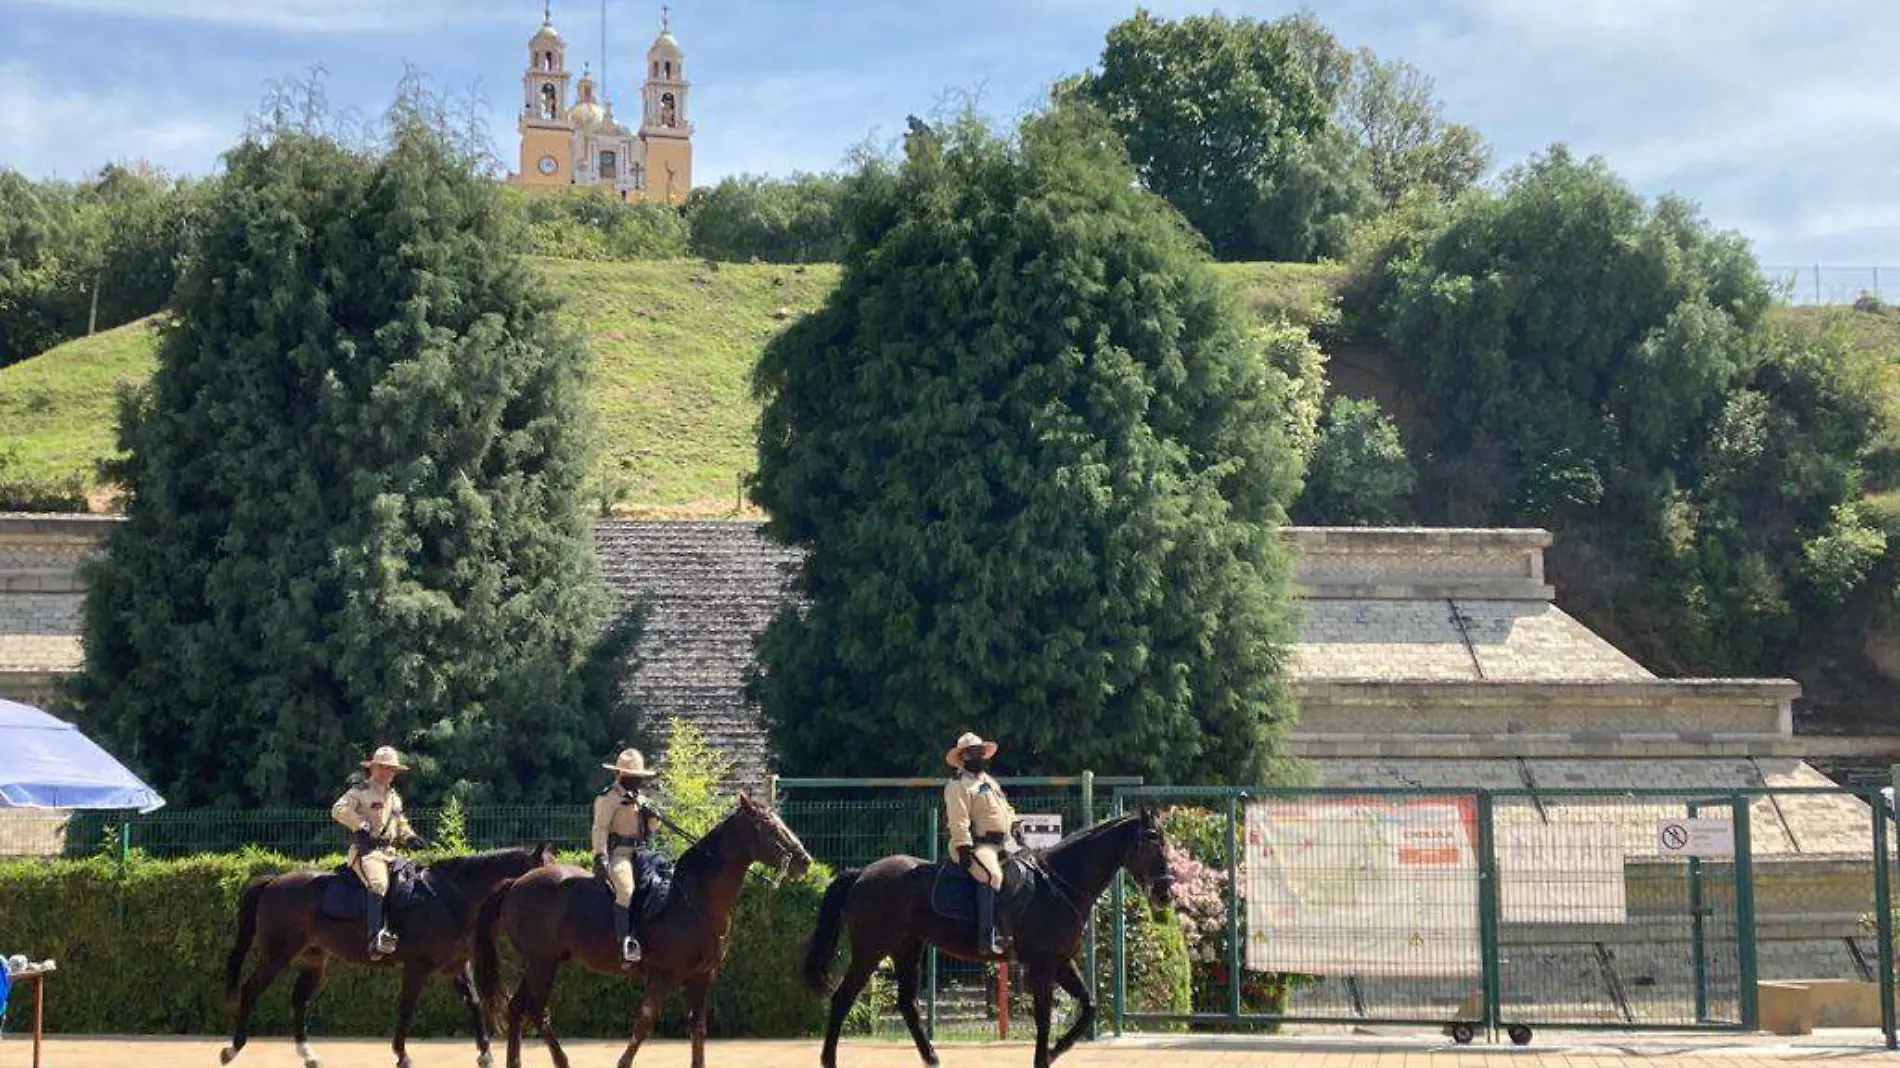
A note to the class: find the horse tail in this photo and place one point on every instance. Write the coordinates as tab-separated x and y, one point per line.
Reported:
824	940
246	932
487	955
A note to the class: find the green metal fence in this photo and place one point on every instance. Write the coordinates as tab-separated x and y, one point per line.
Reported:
1512	909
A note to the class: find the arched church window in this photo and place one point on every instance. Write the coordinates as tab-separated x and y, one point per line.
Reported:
550	101
668	66
669	111
547	61
656	69
609	165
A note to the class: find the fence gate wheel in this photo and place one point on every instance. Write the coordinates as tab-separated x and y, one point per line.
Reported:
1520	1034
1462	1033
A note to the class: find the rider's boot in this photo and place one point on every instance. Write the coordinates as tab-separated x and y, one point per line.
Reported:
990	941
381	942
623	936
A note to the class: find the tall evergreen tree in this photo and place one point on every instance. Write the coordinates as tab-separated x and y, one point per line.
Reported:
1035	455
354	510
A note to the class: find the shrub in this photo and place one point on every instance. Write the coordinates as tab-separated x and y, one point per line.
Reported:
144	947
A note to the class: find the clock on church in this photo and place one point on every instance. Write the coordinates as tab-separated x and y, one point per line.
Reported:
547	165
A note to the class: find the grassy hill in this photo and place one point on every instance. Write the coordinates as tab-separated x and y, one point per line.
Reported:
673	344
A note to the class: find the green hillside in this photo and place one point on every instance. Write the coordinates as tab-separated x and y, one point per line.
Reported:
673	345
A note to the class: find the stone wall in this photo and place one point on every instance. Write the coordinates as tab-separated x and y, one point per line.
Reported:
41	598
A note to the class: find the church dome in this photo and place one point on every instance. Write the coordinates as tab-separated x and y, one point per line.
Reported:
547	34
587	114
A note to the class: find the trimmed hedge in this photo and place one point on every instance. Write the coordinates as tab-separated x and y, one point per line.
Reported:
141	950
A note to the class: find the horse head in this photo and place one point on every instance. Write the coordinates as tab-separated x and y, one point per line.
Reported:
770	842
1145	857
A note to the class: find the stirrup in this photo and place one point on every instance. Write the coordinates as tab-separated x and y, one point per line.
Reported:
383	944
630	951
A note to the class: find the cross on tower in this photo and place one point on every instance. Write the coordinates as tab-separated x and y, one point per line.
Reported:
666	16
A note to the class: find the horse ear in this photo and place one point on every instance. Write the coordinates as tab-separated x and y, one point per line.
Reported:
745	800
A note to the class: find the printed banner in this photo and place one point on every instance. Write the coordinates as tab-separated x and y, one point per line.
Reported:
1367	886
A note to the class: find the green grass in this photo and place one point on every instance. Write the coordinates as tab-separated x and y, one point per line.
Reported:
57	409
672	344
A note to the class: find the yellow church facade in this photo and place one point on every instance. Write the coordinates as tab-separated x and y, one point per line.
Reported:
570	141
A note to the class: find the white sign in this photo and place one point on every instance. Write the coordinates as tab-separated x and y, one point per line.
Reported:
1561	873
1362	886
1695	838
1041	832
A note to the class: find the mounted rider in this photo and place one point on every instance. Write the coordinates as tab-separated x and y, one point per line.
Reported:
981	822
623	825
372	813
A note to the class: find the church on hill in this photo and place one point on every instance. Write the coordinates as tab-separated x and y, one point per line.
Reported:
573	139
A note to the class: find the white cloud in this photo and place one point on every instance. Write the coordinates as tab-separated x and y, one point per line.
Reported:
300	16
72	131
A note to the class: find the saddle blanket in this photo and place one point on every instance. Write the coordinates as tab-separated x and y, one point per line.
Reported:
346	898
953	890
652	883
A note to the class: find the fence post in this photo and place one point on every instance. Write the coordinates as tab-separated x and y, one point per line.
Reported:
1121	939
1745	914
1088	929
930	953
1233	908
771	792
1817	283
1883	917
1698	937
1491	978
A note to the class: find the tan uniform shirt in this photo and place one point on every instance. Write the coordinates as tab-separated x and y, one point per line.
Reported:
618	812
378	808
974	805
374	806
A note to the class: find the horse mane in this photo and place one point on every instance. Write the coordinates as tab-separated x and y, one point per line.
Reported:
704	855
1089	834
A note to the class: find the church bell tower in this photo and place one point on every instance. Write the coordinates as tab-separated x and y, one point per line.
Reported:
665	127
546	124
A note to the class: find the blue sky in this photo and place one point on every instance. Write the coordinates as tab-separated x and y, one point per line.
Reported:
1781	118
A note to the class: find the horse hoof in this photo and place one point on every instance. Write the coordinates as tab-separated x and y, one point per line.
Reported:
227	1055
485	1060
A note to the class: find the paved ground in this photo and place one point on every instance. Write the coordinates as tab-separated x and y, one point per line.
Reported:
1573	1051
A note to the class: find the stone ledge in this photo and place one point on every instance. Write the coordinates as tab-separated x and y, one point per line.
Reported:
1412	539
1455	589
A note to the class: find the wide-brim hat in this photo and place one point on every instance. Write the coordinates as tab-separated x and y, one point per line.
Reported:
386	756
970	740
630	762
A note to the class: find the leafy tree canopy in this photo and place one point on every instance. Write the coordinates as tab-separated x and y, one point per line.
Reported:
1035	454
354	494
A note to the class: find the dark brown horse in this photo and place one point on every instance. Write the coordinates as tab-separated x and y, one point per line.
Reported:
282	913
560	913
888	907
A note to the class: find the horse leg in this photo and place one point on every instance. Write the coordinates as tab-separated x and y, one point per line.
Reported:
1078	988
413	977
906	962
696	1017
464	979
1042	987
546	1023
657	991
862	965
309	979
275	961
518	1004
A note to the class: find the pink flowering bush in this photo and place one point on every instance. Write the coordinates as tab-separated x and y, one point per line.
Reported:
1200	904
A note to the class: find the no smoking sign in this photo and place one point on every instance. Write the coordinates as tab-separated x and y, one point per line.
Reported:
1695	838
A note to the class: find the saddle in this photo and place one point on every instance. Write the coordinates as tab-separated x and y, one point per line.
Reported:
953	890
346	898
652	884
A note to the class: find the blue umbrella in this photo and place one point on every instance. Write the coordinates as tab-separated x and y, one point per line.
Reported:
46	763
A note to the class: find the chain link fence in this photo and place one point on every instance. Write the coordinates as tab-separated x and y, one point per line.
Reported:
1818	284
1481	910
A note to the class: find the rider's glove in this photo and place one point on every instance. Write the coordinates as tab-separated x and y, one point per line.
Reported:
1016	832
363	840
600	866
965	856
415	841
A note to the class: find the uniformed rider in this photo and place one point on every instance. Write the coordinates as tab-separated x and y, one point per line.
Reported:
623	825
980	821
372	813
